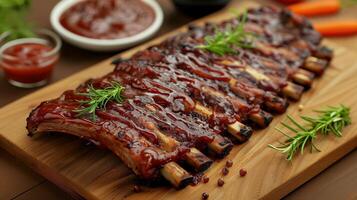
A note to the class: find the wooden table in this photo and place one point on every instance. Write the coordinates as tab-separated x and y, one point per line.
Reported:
18	182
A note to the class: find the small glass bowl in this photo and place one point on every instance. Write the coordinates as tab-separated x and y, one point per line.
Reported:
31	70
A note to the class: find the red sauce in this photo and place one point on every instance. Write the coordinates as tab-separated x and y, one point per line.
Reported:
109	19
28	62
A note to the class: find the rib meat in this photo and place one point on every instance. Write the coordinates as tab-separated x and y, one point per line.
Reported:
181	100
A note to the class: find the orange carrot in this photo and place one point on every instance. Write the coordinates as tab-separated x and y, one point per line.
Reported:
337	28
316	7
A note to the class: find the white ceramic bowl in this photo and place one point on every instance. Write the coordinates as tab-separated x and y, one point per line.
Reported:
104	44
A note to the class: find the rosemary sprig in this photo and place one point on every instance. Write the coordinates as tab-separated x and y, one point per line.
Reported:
98	98
330	120
223	42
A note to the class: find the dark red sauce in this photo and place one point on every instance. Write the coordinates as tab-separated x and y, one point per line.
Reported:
109	19
28	62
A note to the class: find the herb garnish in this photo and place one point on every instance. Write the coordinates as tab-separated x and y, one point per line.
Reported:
223	42
330	120
98	98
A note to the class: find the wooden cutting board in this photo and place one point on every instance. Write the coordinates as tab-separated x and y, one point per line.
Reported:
91	173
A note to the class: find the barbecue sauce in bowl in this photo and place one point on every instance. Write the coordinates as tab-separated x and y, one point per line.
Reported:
109	19
27	63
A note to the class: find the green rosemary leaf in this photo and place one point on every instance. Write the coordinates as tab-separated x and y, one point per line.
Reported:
308	119
329	120
295	123
305	141
98	98
289	127
225	41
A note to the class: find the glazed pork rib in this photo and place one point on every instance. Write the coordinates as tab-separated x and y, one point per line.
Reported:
142	132
182	101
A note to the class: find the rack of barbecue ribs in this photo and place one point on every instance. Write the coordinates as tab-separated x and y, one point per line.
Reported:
185	106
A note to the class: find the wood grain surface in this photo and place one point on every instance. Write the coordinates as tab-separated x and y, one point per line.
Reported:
97	174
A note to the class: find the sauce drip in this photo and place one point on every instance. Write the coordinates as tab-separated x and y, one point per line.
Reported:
109	19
